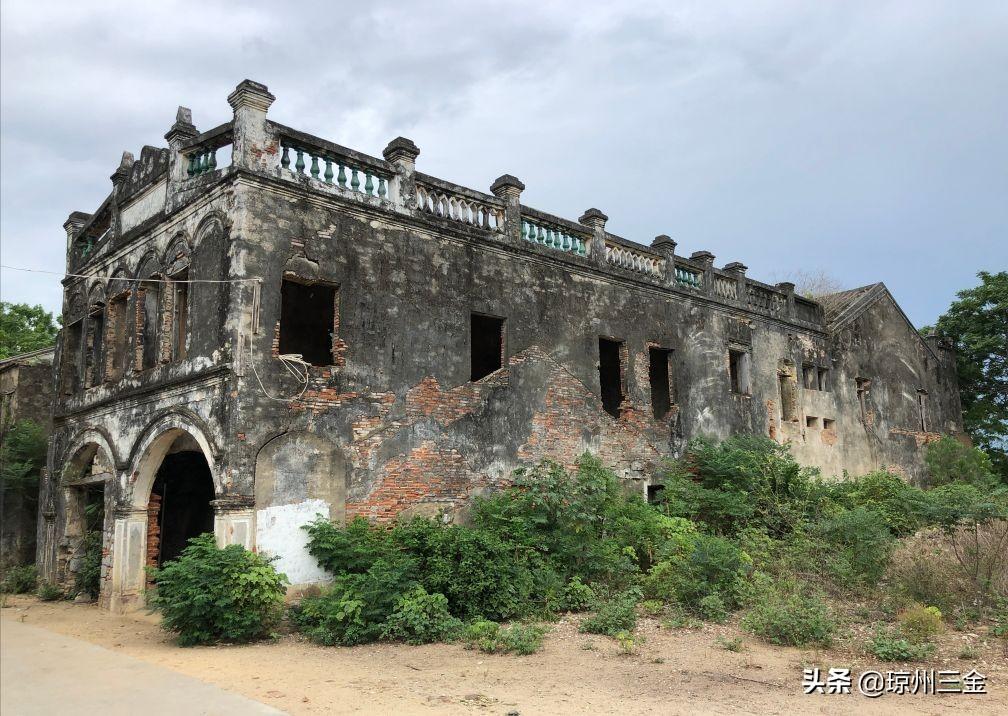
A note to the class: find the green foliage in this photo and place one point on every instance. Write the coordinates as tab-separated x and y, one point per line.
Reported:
211	594
614	615
421	618
901	505
889	645
22	456
978	324
24	328
19	580
734	644
713	609
491	637
577	596
787	616
48	592
856	545
709	566
744	481
919	623
948	461
88	577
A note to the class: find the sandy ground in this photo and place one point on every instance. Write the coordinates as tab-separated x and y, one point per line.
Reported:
673	672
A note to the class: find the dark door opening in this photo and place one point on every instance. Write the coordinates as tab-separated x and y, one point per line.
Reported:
610	375
658	375
486	349
181	495
308	321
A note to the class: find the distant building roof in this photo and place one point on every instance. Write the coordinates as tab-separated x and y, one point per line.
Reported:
43	356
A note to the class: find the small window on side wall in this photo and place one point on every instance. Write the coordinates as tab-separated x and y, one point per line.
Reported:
486	345
611	375
307	321
738	371
658	375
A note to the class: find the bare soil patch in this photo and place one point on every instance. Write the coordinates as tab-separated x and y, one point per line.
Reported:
674	671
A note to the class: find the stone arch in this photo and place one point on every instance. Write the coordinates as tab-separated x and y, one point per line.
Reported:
299	475
176	256
90	435
148	267
119	283
155	442
214	222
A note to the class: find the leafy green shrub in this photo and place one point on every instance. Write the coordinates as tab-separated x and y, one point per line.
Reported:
888	645
924	569
354	609
788	617
49	592
744	481
712	608
577	596
856	545
920	623
734	644
88	578
652	607
19	580
491	637
421	618
901	505
211	594
614	615
713	566
948	461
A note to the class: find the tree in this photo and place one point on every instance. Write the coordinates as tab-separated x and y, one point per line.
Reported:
24	328
22	456
978	323
814	284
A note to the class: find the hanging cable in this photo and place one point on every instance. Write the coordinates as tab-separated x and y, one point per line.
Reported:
289	360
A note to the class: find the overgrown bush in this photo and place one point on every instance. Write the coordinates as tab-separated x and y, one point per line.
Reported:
211	594
491	637
49	592
421	618
87	580
919	623
949	461
855	545
789	617
19	580
901	506
577	596
614	615
890	645
924	569
709	566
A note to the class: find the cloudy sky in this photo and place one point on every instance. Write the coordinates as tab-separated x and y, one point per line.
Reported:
865	139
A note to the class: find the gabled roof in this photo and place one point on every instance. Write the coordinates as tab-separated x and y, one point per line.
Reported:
36	357
843	307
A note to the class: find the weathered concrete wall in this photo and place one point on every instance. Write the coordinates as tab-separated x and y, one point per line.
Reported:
394	425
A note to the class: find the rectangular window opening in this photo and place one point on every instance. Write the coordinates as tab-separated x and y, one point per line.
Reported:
149	306
828	424
71	356
655	493
486	345
922	397
788	387
115	361
738	371
96	339
811	421
307	321
810	378
823	378
610	375
658	375
180	321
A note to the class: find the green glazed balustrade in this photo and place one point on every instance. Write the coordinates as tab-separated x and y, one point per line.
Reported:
553	237
201	162
345	175
685	277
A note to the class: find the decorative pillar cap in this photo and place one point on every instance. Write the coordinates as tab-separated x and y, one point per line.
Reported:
506	183
401	148
704	257
736	267
786	286
251	94
183	128
594	218
76	221
664	241
122	171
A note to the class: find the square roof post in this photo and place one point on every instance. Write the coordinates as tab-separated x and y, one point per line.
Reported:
508	189
666	246
595	220
705	259
181	132
788	288
738	270
254	147
402	153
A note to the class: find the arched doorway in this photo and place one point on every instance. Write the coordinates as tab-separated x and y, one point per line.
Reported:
82	554
179	505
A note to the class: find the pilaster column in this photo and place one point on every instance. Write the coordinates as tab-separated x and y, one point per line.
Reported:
788	288
129	558
706	259
595	220
666	246
252	142
402	154
738	270
508	189
234	520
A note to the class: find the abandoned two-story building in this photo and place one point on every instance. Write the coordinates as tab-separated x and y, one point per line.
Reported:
262	326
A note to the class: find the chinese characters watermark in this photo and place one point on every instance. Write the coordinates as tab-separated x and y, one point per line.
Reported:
874	683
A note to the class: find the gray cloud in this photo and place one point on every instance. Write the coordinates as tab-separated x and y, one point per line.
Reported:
863	138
